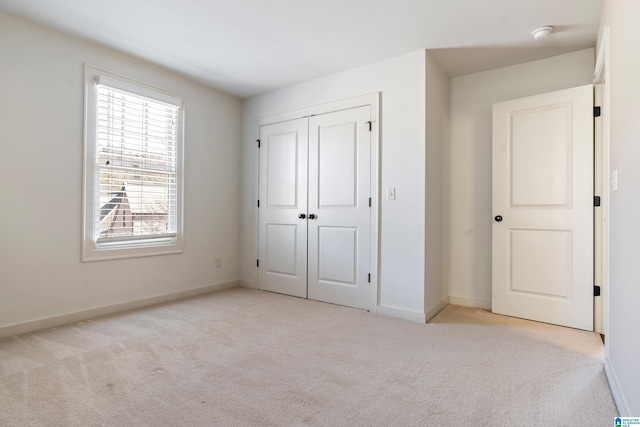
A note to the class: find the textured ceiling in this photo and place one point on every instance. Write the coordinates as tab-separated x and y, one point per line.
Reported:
247	47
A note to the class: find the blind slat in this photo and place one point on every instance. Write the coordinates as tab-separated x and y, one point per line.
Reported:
138	238
118	109
136	171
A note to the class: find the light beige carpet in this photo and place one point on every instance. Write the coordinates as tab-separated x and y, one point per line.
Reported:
243	357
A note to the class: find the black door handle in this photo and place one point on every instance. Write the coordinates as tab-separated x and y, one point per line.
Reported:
312	216
498	218
302	216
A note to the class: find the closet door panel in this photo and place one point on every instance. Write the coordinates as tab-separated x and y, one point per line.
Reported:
339	191
282	235
339	262
337	165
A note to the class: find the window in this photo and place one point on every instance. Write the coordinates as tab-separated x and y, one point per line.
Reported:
133	173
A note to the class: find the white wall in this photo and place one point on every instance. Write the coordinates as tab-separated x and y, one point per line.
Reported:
41	117
401	82
437	130
468	175
623	338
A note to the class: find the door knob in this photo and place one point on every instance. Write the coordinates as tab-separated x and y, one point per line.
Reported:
302	216
312	216
498	218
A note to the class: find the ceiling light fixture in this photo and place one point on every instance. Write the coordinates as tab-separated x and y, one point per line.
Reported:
542	32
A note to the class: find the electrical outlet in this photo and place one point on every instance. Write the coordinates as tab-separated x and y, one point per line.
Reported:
218	261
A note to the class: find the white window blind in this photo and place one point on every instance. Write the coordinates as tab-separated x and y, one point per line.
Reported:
137	165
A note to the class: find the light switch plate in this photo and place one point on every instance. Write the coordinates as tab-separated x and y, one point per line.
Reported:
391	193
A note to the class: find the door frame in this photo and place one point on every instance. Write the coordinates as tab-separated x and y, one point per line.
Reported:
372	100
602	187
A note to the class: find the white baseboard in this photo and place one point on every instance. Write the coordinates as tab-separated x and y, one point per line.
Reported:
413	316
469	302
436	309
618	395
52	322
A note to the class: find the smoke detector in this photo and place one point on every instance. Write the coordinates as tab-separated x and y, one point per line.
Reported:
542	32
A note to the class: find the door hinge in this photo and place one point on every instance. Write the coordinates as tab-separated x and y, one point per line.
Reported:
596	291
370	124
597	111
596	201
257	263
258	141
369	278
369	201
258	202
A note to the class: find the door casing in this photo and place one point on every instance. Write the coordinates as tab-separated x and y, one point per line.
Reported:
602	168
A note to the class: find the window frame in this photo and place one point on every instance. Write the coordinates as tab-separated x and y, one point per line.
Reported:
121	247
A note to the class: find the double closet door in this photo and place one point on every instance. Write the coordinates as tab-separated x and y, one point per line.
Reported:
314	211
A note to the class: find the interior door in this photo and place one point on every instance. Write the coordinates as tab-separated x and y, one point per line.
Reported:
282	233
543	208
339	213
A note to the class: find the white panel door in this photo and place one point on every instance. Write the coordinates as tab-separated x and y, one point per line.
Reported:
339	212
543	208
282	235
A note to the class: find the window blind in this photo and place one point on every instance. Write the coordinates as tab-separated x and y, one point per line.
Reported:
136	158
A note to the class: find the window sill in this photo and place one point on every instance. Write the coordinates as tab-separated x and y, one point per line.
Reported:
92	252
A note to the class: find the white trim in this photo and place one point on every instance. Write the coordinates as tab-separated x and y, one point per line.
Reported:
256	197
343	104
374	245
601	75
372	100
470	302
616	390
139	89
598	222
398	313
599	72
430	314
52	322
